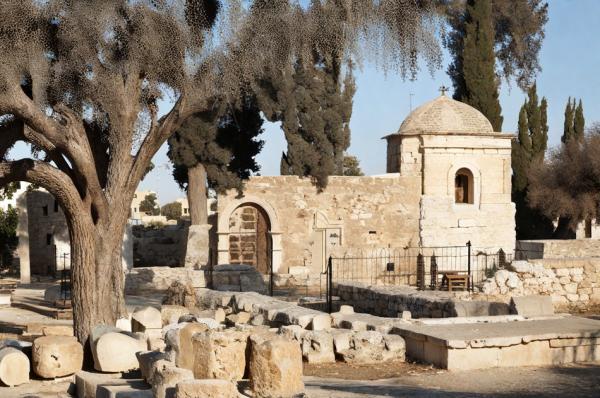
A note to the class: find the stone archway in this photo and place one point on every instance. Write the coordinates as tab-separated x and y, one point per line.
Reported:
268	244
249	238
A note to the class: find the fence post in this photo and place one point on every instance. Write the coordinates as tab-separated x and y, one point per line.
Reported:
330	285
271	276
433	272
420	272
501	259
469	284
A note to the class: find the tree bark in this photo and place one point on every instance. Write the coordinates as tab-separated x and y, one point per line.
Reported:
97	275
197	195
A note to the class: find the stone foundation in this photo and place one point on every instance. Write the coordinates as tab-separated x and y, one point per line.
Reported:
571	282
152	279
389	301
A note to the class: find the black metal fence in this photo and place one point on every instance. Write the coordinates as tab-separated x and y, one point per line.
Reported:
424	267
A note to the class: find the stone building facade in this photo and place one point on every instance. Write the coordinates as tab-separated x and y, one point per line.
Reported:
448	181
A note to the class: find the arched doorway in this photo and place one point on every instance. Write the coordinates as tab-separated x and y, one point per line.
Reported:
249	237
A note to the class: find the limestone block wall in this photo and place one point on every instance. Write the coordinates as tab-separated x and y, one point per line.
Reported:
390	301
164	246
488	220
559	248
308	225
572	283
139	281
48	234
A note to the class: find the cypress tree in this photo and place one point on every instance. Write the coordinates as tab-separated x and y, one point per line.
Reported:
314	105
544	123
479	85
579	122
568	130
521	153
528	149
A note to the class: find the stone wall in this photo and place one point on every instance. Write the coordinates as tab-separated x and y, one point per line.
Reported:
139	281
49	243
559	248
488	219
307	225
390	301
572	283
155	247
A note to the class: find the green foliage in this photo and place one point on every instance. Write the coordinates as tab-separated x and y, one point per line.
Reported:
579	122
518	33
527	152
172	211
567	186
352	166
7	191
314	105
149	205
223	139
473	71
574	127
9	220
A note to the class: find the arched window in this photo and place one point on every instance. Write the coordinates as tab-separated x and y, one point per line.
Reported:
463	186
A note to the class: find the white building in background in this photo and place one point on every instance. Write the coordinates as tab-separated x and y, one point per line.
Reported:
185	207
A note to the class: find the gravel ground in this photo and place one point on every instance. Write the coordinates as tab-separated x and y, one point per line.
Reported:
577	381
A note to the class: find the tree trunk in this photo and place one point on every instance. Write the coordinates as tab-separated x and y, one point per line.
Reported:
97	275
197	198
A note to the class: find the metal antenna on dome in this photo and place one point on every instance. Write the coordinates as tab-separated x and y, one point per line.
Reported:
410	95
443	90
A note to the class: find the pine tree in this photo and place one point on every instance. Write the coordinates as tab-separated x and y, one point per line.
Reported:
479	83
216	149
579	122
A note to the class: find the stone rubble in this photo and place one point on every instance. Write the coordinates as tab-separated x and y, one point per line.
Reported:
275	367
14	367
56	356
569	283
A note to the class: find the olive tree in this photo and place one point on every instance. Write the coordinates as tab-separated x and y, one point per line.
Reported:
81	82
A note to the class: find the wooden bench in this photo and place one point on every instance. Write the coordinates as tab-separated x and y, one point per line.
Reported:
453	280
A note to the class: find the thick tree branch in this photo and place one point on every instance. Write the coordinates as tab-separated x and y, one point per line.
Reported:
43	174
49	135
157	135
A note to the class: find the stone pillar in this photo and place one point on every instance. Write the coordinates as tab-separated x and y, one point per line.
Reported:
223	248
127	249
198	245
277	252
23	234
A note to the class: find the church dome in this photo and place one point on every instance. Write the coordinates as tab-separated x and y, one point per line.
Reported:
445	115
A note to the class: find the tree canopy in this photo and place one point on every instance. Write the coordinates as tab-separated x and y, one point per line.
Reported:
352	166
81	82
149	205
571	177
172	210
222	139
518	27
528	151
473	71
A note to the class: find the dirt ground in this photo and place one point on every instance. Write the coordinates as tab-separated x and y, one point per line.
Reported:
340	370
576	381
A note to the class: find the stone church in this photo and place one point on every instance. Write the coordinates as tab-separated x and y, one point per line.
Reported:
448	181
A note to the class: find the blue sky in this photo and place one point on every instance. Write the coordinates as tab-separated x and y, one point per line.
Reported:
570	59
